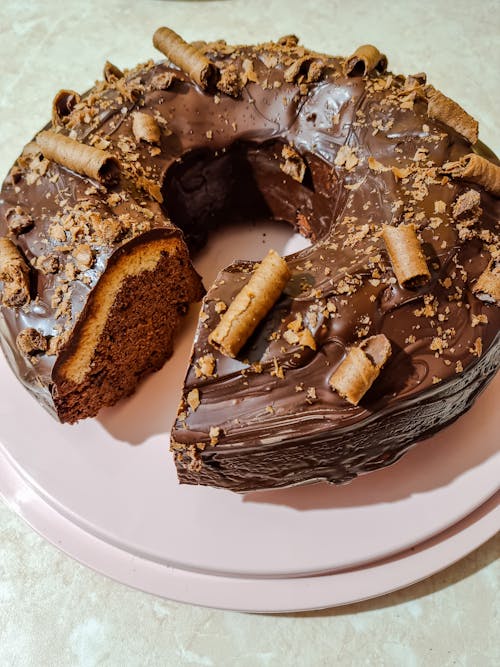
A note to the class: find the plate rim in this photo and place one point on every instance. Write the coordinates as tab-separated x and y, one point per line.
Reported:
257	595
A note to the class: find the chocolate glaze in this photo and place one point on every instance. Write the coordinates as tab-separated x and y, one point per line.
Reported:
220	158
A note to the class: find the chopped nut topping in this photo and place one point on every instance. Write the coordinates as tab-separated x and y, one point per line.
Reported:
277	370
214	434
84	256
346	157
230	82
479	319
205	366
30	342
294	165
477	347
193	399
377	166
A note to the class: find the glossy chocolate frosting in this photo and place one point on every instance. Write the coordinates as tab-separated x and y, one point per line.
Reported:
269	418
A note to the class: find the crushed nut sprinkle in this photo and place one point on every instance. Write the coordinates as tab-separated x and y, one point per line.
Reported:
31	341
477	347
205	366
293	165
193	399
346	157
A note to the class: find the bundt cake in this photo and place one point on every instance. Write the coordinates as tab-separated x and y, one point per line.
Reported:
322	365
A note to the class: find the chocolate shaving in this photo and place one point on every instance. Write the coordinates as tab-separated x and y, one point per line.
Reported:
309	66
467	205
162	81
346	157
230	82
294	165
15	275
251	305
407	258
247	72
145	128
413	81
63	104
153	188
288	41
111	73
79	157
31	341
476	169
18	221
450	113
487	287
361	367
197	66
364	60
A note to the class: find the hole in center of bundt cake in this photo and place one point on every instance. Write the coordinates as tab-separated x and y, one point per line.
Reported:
241	184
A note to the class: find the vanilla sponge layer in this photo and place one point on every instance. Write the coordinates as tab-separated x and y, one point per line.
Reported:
142	258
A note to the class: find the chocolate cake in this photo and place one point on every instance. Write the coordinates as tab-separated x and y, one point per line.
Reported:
323	365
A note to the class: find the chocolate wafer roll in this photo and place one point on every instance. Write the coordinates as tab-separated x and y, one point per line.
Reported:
476	169
251	305
86	160
360	368
197	66
407	258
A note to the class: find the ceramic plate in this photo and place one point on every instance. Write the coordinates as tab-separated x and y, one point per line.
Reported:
264	595
113	477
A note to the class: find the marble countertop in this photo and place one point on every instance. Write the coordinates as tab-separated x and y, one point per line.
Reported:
54	611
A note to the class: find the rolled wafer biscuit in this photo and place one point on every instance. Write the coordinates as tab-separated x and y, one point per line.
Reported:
487	287
86	160
476	169
407	258
251	305
449	112
361	367
14	274
364	60
197	66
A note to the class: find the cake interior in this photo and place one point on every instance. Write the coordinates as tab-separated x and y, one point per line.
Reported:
244	183
129	327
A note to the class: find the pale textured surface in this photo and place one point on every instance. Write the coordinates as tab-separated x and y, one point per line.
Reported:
56	612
